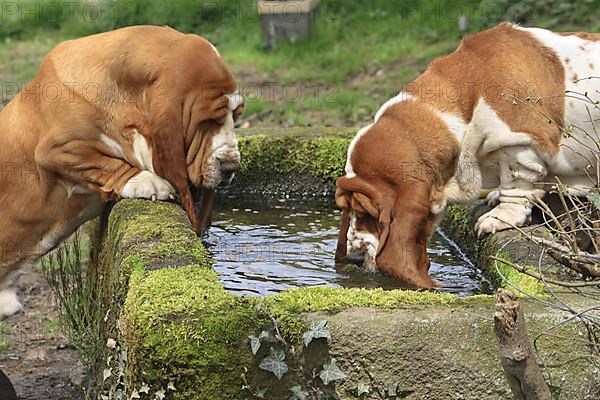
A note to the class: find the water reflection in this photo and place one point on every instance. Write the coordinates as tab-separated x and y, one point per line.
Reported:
263	249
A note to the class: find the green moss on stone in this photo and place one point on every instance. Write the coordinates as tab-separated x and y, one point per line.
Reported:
159	231
459	222
511	277
180	325
288	306
321	157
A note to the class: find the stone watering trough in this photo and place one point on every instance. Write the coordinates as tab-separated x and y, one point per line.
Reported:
181	335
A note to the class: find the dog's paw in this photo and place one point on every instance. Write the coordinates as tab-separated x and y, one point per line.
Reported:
493	198
147	185
504	216
9	304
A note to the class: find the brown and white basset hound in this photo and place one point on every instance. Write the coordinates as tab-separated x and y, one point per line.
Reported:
509	111
140	112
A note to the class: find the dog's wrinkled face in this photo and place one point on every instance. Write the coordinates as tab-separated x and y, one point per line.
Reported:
194	112
213	156
387	232
386	216
362	239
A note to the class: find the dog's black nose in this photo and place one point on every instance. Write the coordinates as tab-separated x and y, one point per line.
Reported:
229	167
356	258
228	170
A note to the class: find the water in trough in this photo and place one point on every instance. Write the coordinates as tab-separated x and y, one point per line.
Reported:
261	249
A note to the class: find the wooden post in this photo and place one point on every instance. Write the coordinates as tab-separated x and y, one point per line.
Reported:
519	363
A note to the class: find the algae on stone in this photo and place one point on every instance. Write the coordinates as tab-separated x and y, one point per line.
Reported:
181	326
292	163
459	222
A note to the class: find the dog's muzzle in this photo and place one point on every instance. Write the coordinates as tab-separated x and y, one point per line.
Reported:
228	170
356	257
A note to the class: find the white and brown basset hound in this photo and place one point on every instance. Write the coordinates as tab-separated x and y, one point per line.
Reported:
509	111
140	112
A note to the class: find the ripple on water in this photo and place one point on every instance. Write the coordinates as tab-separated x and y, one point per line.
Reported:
261	250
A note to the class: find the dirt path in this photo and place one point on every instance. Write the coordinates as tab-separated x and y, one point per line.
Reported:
39	362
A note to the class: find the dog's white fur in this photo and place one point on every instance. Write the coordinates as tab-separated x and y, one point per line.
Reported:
506	163
349	169
525	173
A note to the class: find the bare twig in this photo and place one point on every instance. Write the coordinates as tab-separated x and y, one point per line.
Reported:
535	275
278	335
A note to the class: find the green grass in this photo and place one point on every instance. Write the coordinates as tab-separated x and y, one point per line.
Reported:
4	340
351	43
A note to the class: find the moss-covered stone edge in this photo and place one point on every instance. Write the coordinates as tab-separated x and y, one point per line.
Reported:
459	223
180	326
304	162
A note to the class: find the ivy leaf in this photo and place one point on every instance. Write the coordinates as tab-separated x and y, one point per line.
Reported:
362	389
331	372
298	393
159	394
254	344
134	395
260	393
264	334
106	374
171	387
145	388
391	388
275	363
318	329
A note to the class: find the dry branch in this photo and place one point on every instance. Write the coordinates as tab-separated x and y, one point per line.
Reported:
525	271
519	363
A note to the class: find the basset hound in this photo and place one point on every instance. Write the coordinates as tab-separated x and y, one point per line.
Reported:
510	110
141	112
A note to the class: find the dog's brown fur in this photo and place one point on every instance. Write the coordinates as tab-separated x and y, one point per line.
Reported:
403	164
57	172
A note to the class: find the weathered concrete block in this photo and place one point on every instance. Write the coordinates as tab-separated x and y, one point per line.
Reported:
181	329
287	20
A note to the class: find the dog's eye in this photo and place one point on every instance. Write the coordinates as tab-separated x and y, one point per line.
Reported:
238	112
210	125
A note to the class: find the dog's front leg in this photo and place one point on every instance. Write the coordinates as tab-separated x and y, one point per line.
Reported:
100	168
522	172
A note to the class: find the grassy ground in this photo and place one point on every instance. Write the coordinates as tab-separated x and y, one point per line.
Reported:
4	337
360	54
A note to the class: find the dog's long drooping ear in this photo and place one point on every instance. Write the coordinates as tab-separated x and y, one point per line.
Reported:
405	230
168	145
341	250
204	208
